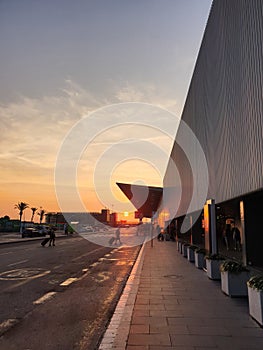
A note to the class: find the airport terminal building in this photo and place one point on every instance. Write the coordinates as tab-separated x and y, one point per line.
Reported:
224	109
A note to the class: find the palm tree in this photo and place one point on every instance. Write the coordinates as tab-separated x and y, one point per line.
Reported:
41	215
33	213
21	206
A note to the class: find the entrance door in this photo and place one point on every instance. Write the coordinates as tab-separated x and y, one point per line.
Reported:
253	213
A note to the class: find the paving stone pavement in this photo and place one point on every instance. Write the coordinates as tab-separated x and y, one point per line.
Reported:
171	304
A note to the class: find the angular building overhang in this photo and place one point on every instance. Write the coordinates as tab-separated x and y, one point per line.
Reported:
146	199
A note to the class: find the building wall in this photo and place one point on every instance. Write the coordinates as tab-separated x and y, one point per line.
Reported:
224	105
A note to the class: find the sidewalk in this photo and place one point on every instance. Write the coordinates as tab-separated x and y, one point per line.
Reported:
170	304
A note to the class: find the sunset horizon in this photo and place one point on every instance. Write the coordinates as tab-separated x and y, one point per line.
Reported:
87	105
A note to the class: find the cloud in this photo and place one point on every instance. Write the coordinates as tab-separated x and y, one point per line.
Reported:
34	129
147	93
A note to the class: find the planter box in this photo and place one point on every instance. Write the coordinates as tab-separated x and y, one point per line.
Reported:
184	250
190	254
234	284
255	300
199	260
212	269
181	248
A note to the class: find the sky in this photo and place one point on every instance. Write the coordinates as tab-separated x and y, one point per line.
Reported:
90	94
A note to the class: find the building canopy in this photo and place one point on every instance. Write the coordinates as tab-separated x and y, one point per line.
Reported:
146	199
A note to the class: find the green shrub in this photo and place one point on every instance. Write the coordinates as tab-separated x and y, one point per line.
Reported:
214	257
256	282
232	266
193	247
201	251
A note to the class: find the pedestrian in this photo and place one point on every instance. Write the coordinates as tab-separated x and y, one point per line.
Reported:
66	229
160	235
117	236
52	236
236	238
227	236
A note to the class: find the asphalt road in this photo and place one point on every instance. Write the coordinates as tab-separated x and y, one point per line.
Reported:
59	297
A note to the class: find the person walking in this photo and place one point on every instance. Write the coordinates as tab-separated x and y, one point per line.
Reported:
52	236
236	238
227	236
117	236
66	229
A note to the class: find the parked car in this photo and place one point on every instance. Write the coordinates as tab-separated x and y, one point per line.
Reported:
88	229
43	230
32	232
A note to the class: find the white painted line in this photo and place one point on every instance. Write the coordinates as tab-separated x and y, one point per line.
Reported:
85	270
57	267
94	264
5	325
68	281
6	253
86	254
17	263
44	298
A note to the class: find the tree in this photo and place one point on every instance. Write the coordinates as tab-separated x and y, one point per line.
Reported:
41	215
5	218
3	222
21	206
33	213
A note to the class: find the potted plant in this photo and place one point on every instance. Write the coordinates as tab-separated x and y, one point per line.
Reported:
191	252
234	277
184	249
179	244
200	258
213	262
255	298
181	247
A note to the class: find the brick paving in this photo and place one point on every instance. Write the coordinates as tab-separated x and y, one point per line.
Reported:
173	305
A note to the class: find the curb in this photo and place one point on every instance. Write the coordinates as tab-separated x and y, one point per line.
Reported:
117	332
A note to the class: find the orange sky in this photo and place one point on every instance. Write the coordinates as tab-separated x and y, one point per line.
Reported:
43	195
53	79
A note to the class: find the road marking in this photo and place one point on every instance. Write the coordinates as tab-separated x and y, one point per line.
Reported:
17	263
57	267
68	281
23	274
85	270
44	298
94	264
102	276
86	254
5	325
6	253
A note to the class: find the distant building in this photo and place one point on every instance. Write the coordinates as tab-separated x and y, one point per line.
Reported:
59	219
55	218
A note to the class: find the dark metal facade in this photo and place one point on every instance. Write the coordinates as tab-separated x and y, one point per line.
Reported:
224	105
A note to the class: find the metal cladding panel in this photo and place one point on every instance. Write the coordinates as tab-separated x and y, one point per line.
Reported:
224	105
146	199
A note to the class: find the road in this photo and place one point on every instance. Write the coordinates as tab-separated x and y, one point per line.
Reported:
59	297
